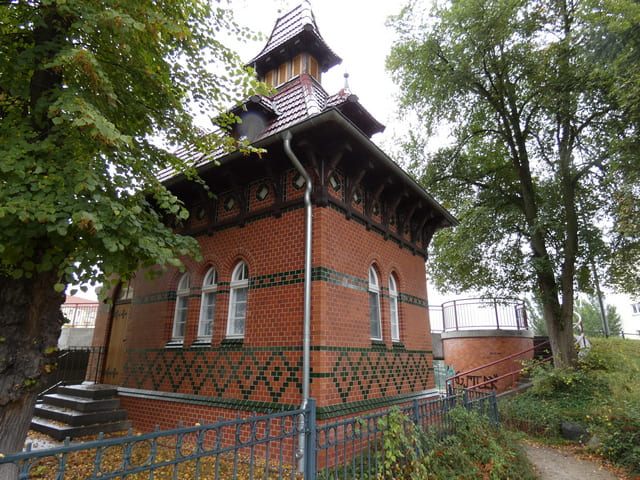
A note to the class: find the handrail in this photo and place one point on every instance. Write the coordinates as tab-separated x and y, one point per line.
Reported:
511	373
483	313
495	362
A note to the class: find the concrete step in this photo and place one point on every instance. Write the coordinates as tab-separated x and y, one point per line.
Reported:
60	432
94	391
76	418
81	404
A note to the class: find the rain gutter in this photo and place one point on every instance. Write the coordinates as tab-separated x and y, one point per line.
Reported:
306	341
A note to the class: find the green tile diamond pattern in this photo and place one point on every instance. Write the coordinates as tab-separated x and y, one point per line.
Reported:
274	375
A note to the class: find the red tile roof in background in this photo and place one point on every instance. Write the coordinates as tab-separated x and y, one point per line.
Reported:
71	299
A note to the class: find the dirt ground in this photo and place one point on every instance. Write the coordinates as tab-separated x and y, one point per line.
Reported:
562	464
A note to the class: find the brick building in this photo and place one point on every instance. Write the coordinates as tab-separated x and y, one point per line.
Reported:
227	335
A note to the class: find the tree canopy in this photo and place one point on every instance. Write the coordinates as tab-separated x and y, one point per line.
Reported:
86	89
588	309
89	90
541	170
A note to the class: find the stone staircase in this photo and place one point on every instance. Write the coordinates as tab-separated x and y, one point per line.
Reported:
80	410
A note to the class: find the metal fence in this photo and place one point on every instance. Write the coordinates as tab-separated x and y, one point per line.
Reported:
353	448
80	315
441	374
481	313
258	447
73	365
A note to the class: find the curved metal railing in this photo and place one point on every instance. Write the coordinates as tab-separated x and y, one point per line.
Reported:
482	314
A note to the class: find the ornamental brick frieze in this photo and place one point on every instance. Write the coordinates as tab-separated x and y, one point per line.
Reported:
375	202
273	375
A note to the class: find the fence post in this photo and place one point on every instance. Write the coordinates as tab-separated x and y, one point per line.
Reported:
455	313
311	447
465	400
416	413
494	409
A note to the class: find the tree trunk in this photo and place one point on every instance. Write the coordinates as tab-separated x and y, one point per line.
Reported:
30	322
562	341
14	424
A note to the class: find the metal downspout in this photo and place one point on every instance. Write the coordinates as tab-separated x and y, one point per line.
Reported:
306	341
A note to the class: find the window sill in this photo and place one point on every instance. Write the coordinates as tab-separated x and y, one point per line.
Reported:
202	342
378	345
232	342
397	345
175	343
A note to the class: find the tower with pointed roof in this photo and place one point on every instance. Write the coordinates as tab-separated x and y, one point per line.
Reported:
225	336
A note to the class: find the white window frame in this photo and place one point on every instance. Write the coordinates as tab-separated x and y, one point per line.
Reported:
182	308
238	288
375	320
208	305
393	309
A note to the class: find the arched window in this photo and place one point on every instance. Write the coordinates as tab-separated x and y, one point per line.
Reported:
239	289
208	304
182	305
374	305
393	307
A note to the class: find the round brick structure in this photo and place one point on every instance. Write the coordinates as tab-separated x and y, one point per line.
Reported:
468	349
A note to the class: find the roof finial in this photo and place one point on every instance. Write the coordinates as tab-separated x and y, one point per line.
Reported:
346	81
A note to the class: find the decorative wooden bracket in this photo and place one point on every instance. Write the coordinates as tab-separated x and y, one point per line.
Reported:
209	207
351	183
372	199
240	195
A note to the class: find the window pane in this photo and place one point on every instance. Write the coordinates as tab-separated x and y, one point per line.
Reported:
184	282
395	327
207	314
240	294
240	272
210	278
373	278
392	285
238	310
239	326
374	312
181	317
241	310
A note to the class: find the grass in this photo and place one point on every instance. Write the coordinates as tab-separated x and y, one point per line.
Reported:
602	394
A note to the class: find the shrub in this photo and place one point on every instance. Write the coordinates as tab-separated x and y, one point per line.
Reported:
470	448
602	393
619	432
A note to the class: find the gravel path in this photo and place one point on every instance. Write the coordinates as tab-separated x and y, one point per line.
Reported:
554	464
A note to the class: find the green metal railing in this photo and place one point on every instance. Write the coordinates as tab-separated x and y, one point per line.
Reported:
258	447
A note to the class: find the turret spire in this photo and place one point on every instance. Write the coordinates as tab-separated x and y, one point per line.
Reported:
295	46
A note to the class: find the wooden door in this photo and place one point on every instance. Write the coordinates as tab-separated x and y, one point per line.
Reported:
116	351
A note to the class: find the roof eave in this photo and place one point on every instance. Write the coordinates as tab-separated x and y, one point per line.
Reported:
333	115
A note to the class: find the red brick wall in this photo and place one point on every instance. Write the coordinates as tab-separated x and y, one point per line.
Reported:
266	367
347	247
470	352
